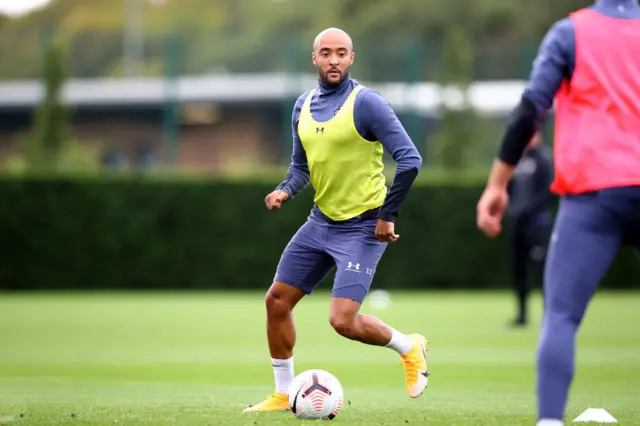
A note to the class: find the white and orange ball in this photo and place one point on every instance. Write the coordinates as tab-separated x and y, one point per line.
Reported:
316	395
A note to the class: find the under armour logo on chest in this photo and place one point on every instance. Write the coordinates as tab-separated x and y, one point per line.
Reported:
320	130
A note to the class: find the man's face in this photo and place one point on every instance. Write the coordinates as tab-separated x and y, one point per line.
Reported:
333	58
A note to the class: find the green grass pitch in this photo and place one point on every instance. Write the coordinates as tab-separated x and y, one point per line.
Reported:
199	359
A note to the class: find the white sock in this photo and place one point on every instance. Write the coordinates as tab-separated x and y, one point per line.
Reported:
549	422
283	373
400	343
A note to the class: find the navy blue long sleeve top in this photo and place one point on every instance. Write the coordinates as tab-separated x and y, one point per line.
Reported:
554	63
375	120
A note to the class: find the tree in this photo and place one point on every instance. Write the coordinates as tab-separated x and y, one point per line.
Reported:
51	123
246	35
458	124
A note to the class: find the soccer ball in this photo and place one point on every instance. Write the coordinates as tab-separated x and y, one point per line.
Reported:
315	395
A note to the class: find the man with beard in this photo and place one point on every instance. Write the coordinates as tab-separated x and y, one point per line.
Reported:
340	132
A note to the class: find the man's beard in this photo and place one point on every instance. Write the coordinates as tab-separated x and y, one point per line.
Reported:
324	77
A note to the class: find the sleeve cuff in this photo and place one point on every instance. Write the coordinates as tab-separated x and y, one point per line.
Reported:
387	216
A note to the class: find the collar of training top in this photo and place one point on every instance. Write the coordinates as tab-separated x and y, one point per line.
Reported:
325	89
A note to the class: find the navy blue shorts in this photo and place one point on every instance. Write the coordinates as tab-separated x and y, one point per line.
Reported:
321	245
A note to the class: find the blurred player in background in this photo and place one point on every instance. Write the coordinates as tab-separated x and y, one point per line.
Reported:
340	132
530	219
590	64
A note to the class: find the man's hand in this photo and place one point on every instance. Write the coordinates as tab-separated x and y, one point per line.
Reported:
275	199
385	231
495	199
491	208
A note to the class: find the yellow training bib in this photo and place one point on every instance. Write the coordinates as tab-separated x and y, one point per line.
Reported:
345	168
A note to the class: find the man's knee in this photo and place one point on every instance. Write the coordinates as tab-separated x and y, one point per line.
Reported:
560	312
281	299
343	315
342	322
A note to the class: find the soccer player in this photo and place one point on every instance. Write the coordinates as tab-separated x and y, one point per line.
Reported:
589	63
340	132
531	218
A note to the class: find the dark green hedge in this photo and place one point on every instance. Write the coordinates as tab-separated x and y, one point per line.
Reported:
124	233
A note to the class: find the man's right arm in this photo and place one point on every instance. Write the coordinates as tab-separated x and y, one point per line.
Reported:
298	176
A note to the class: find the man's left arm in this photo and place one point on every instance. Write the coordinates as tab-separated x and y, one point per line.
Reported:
376	120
